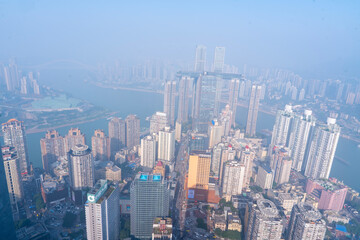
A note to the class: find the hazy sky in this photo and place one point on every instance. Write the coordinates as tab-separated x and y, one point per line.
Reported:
309	37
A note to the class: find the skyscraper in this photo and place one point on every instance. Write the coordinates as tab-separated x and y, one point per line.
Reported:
73	138
184	90
282	127
301	128
14	135
52	149
116	134
306	223
200	58
216	130
169	101
322	150
199	170
264	221
6	218
247	158
102	211
216	159
233	98
132	123
219	59
148	151
166	145
149	196
264	177
253	110
100	146
158	122
233	179
81	167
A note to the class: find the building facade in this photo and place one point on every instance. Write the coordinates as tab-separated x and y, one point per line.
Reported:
148	151
253	111
132	123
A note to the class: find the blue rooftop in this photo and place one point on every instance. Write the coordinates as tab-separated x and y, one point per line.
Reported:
341	228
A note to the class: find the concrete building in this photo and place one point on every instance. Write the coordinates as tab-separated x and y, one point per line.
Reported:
148	151
116	134
219	60
132	123
199	170
73	138
53	189
102	211
281	165
287	201
306	223
322	150
178	129
233	98
227	118
199	142
234	223
169	101
264	221
159	169
264	177
149	195
158	122
216	132
108	171
247	158
200	58
281	128
14	135
216	158
162	228
184	91
253	111
233	179
100	146
81	166
52	149
166	145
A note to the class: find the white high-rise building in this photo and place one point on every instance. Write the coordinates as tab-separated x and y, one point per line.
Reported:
216	131
148	151
299	136
282	126
233	179
219	59
102	211
169	101
264	177
306	223
216	158
200	58
322	150
166	146
158	122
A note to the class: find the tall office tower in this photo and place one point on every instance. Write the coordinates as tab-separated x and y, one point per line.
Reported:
13	175
148	151
233	98
206	104
216	159
253	110
264	177
216	132
219	59
116	134
199	170
322	150
299	136
166	145
6	216
200	58
282	127
247	157
52	149
23	87
149	197
102	211
158	122
169	101
306	223
281	165
14	135
233	179
132	123
226	117
264	221
73	138
184	90
81	167
100	146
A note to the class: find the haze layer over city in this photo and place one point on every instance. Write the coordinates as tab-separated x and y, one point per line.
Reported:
180	120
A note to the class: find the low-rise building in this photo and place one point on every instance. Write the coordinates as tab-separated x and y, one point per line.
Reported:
162	228
234	223
220	222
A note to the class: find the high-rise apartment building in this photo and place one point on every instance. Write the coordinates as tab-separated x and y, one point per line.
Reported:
200	58
100	146
199	170
149	196
216	159
73	138
14	135
116	134
281	128
226	117
247	158
306	223
219	59
169	101
300	131
264	177
102	211
216	132
52	149
253	110
158	122
185	83
81	167
264	221
281	165
322	150
233	179
132	123
166	145
148	151
233	98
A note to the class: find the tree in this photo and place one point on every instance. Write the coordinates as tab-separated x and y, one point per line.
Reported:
39	202
201	223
